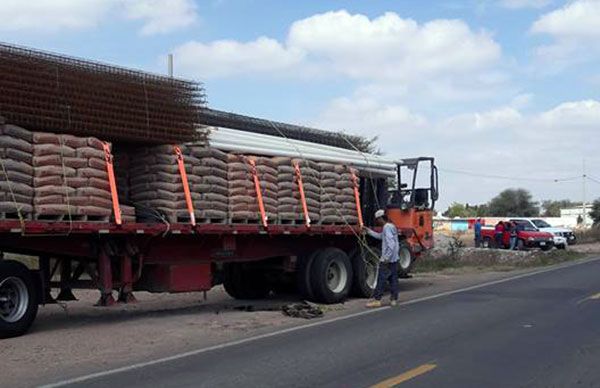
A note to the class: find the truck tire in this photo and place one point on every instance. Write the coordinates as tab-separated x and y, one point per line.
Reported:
331	276
365	272
406	261
244	282
487	243
303	277
546	248
18	299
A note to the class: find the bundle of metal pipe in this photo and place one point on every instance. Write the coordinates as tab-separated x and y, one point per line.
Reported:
218	118
254	143
48	92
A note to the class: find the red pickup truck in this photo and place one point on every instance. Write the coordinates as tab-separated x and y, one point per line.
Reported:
527	237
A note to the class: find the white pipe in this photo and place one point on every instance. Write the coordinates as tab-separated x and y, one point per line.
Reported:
268	151
221	133
307	153
224	137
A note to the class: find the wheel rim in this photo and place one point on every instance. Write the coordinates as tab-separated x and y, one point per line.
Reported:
371	275
405	258
337	276
14	299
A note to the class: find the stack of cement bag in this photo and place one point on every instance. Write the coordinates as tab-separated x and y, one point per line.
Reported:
121	165
267	175
243	202
209	189
289	204
338	204
242	194
156	187
70	178
345	196
16	172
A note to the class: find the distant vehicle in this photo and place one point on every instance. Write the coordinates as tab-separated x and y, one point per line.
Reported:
543	226
529	237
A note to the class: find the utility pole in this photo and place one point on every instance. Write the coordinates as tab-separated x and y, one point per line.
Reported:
583	210
170	65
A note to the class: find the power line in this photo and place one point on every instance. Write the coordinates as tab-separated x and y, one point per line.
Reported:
492	176
593	179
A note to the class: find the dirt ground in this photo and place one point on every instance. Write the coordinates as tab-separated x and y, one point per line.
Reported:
68	341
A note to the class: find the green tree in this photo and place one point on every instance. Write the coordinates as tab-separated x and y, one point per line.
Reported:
457	209
552	208
595	213
513	203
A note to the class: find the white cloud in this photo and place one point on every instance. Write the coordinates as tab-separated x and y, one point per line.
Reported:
501	141
578	19
228	57
352	45
52	15
157	16
161	16
389	47
574	28
517	4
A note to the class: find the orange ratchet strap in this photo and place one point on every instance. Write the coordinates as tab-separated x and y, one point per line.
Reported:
186	185
259	197
302	196
357	198
112	182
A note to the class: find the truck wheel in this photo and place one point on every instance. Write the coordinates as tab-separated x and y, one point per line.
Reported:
331	275
303	279
561	246
406	260
244	282
18	299
487	243
365	271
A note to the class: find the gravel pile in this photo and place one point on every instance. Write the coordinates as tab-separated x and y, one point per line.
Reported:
16	172
70	178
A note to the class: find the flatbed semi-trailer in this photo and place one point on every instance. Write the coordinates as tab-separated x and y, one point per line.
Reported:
326	262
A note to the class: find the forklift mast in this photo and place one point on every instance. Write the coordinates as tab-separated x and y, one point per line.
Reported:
412	201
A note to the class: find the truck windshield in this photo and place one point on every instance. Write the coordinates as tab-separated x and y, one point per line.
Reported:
541	224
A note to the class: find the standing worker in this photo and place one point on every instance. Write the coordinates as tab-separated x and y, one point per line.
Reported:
388	262
499	235
513	236
477	230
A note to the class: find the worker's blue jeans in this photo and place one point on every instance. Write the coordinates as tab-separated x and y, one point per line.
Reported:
513	243
387	271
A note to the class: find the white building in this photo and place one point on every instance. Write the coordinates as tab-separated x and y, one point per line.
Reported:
570	216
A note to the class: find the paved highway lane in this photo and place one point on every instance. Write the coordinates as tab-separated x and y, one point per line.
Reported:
539	330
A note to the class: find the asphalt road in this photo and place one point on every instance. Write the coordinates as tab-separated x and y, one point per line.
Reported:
535	331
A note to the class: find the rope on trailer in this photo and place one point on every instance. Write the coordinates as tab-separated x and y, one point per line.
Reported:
368	165
12	194
66	186
359	237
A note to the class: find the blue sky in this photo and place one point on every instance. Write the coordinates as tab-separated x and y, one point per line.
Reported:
496	87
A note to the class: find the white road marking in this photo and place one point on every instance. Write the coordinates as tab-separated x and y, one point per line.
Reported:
179	356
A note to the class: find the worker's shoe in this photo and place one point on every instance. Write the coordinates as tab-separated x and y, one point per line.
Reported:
393	303
374	304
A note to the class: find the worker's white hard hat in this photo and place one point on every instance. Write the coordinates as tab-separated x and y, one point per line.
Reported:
379	213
